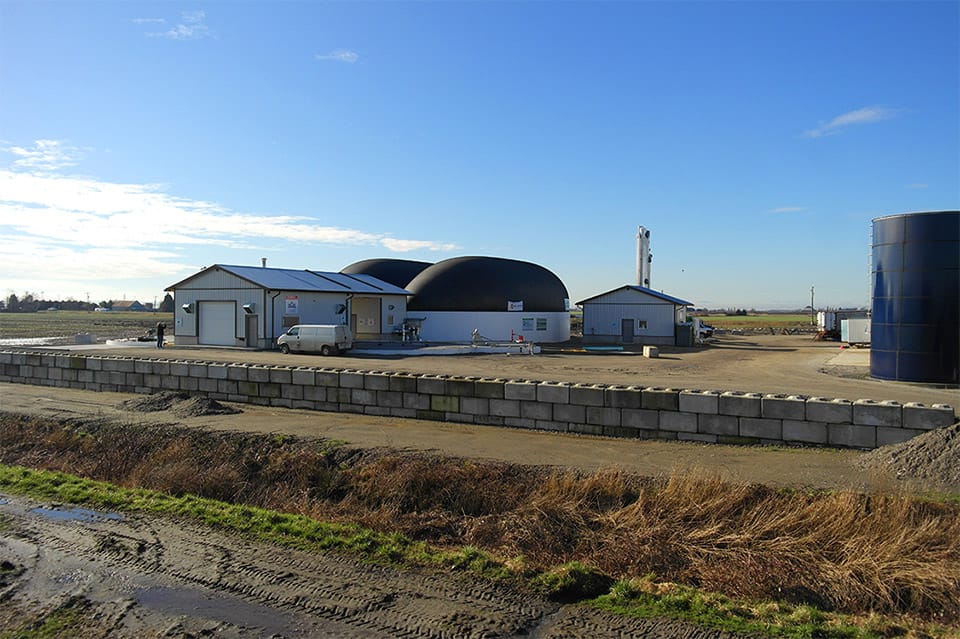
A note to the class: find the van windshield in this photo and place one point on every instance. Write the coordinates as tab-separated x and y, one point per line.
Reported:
294	331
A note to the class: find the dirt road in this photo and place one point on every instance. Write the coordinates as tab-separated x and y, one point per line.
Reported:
137	576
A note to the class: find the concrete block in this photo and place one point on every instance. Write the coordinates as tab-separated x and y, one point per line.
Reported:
269	390
78	363
700	401
795	430
697	437
461	386
829	411
505	407
445	403
553	392
329	378
559	427
214	371
520	389
304	404
656	398
56	374
604	415
519	422
717	424
205	385
921	417
403	383
488	420
403	413
351	379
226	387
363	397
291	391
178	368
651	352
588	429
623	397
304	376
536	410
569	413
587	394
431	385
760	427
774	406
130	379
281	375
489	388
381	411
190	384
197	369
93	363
677	421
248	388
315	393
281	402
852	436
867	412
235	372
740	404
475	405
640	418
389	399
376	381
258	374
887	436
736	440
144	366
416	401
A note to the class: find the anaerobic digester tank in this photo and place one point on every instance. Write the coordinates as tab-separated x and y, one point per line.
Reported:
915	332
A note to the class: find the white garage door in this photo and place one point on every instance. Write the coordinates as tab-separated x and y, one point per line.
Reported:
218	323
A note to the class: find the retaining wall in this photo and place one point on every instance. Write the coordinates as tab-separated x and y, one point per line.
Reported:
596	409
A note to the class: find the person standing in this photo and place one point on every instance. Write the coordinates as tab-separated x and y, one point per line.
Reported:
160	328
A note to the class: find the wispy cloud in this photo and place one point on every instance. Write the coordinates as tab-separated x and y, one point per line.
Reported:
57	227
866	115
190	27
788	209
148	21
45	155
339	55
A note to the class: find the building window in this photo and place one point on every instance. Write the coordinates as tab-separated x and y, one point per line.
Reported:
541	323
527	324
290	320
641	325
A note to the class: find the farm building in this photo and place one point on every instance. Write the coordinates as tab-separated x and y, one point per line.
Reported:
632	314
127	305
251	306
500	299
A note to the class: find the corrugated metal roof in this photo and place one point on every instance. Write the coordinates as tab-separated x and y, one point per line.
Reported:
641	289
284	279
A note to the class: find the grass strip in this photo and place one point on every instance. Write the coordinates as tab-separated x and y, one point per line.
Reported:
573	582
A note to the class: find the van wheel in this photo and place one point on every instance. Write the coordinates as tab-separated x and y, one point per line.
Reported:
325	350
285	349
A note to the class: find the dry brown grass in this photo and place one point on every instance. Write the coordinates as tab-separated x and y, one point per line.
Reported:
844	551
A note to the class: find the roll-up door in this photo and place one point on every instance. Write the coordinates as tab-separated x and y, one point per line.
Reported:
218	323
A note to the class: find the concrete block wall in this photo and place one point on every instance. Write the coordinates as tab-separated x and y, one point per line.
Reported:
596	409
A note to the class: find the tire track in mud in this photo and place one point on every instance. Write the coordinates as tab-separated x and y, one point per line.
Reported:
162	570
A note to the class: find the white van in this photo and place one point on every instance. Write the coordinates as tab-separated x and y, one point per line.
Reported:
326	339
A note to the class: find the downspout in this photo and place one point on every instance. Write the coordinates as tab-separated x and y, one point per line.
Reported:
346	312
273	307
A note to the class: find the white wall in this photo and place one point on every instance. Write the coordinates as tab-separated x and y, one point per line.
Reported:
452	326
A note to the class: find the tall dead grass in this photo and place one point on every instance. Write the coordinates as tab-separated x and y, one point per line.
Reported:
845	551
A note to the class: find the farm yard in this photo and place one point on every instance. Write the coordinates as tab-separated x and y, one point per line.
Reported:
62	326
659	538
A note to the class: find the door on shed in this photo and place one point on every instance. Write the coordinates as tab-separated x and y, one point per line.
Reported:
218	323
626	330
251	332
367	311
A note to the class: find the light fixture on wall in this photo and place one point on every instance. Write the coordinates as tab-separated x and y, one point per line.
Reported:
248	308
187	308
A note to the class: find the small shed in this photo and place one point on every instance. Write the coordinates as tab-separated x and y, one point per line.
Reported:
632	315
251	306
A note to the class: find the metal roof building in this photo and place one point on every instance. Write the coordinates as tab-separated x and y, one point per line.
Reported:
632	315
250	306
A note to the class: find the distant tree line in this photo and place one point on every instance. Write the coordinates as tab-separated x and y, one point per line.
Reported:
28	303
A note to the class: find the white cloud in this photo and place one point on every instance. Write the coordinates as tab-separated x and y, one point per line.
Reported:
866	115
45	155
339	55
788	209
191	27
148	20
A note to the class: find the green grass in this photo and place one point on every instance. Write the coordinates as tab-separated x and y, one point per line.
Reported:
573	582
760	320
68	323
67	620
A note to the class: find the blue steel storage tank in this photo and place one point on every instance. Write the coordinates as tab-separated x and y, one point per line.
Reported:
915	332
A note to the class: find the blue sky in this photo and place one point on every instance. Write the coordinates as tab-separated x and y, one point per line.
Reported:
757	140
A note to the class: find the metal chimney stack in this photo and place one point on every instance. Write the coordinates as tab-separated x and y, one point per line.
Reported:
643	257
263	262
